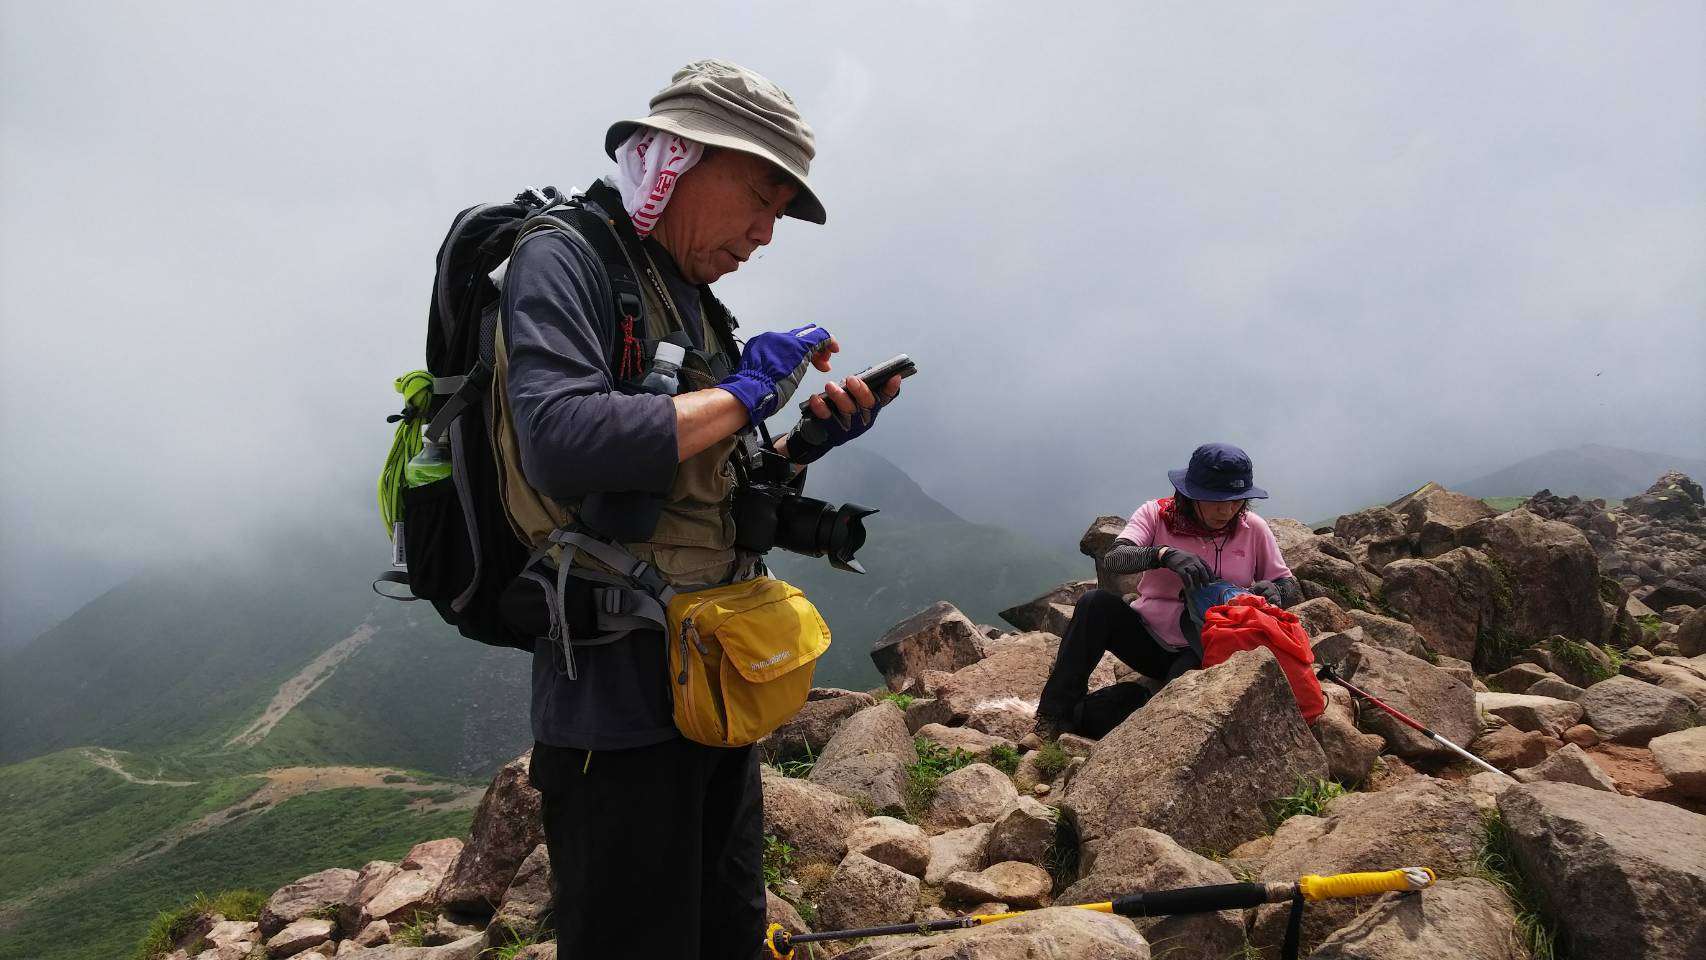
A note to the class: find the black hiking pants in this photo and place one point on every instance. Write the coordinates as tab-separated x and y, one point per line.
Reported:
658	851
1104	623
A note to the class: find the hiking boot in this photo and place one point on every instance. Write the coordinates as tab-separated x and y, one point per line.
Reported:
1048	729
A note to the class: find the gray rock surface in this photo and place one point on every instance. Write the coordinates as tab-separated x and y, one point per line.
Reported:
1420	690
895	842
506	829
1466	917
1139	859
1682	756
1569	765
1526	711
1061	933
311	894
1626	710
1024	886
812	820
865	893
955	851
939	637
1025	832
973	794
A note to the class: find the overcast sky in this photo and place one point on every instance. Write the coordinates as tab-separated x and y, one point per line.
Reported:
1374	244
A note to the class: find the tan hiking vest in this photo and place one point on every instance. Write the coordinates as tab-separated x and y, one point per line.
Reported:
694	540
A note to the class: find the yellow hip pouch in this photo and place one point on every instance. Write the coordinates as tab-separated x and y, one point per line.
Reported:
741	659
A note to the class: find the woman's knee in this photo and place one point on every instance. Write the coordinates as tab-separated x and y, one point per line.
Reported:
1098	600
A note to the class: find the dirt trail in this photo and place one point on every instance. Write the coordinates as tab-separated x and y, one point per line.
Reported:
297	688
282	784
103	757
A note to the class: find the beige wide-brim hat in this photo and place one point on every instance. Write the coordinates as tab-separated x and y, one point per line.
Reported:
723	104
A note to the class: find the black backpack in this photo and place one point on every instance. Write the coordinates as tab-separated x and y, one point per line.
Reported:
460	551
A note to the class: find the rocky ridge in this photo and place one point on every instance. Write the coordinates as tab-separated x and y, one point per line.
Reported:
1529	636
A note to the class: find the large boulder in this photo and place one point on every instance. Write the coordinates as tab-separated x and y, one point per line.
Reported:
1625	710
1202	761
1466	917
1677	674
298	936
1529	712
507	827
1062	932
1051	612
866	893
1024	832
1383	631
312	894
1325	567
807	732
1625	877
868	758
1449	599
1417	821
1691	634
812	820
1095	543
958	850
1009	680
522	913
1139	860
1554	574
372	879
1508	748
1434	516
416	888
1419	690
973	794
1569	765
1023	886
939	637
1321	615
1374	523
1351	754
897	843
1682	756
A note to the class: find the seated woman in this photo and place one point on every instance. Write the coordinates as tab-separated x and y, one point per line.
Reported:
1204	532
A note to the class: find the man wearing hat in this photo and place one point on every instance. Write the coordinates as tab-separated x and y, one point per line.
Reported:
655	841
1204	532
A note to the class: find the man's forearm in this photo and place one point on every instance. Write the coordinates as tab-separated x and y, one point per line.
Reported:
704	418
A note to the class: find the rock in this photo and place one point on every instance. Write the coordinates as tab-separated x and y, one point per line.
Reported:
1322	615
1557	688
922	713
812	820
897	843
1528	712
233	937
973	794
957	851
1577	846
1459	670
506	828
1095	543
1435	516
444	931
780	911
1011	677
1466	917
299	935
1449	599
1638	652
526	902
1691	634
1675	592
1518	677
1373	523
1050	612
435	856
1325	567
469	948
1075	745
1682	756
1024	832
1417	821
1350	752
373	934
810	730
1024	886
1675	674
372	879
414	888
311	894
1554	574
1055	933
868	758
1388	632
1138	860
1202	761
974	743
1418	689
865	893
1582	736
1509	748
939	637
1569	765
1625	710
1008	719
1581	664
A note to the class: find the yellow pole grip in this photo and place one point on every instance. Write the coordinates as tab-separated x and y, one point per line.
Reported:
770	942
1364	884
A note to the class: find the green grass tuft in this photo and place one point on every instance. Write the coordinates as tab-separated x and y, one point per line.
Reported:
514	945
171	926
1311	798
1576	655
1062	858
934	762
1497	864
778	857
1004	758
1051	759
901	700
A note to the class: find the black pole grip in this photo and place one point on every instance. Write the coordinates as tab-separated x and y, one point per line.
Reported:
1163	903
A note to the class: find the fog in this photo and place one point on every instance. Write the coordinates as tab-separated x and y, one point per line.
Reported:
1372	244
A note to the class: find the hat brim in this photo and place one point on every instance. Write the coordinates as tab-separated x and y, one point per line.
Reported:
1182	483
711	131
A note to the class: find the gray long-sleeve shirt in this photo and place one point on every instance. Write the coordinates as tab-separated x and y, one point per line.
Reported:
578	435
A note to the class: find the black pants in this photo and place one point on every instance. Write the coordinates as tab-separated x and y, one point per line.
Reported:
1104	623
658	851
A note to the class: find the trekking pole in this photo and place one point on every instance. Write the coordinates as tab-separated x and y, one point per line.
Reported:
1157	903
1326	673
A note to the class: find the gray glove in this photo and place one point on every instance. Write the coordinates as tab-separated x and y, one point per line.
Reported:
1189	567
1269	591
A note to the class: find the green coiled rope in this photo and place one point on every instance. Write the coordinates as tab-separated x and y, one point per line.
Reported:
416	388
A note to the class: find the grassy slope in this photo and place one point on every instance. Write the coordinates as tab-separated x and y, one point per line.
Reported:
41	797
264	851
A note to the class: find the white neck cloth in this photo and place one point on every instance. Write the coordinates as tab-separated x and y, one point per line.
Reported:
647	166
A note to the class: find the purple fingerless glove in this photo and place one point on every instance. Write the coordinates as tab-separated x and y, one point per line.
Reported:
771	368
813	437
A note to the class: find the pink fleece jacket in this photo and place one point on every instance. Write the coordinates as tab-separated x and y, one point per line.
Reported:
1245	554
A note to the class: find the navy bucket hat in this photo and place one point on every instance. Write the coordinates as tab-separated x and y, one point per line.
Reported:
1218	472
